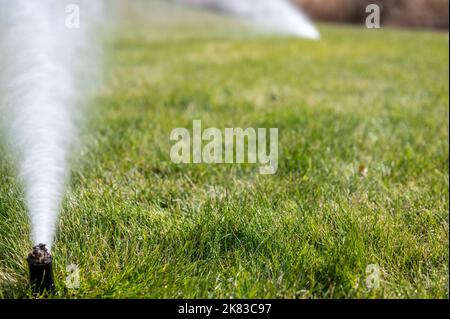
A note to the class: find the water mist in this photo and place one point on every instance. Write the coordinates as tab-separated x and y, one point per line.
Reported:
42	46
273	16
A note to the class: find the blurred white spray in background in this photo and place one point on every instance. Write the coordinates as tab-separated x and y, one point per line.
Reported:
43	49
275	16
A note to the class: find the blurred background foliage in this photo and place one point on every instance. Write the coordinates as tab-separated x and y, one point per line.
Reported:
401	13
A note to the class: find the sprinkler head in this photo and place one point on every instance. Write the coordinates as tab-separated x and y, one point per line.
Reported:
41	273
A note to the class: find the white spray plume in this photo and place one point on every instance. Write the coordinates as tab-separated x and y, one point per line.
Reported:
278	16
41	55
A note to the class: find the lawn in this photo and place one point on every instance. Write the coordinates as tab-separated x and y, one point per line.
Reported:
138	225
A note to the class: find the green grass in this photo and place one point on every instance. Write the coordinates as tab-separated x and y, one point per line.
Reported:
138	225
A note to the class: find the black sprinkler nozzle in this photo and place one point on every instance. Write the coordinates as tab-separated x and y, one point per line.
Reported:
41	272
